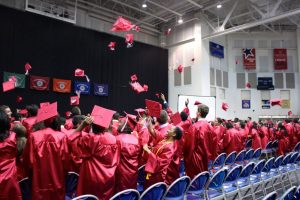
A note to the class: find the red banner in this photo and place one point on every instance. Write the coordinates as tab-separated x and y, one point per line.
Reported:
249	58
60	85
39	83
280	59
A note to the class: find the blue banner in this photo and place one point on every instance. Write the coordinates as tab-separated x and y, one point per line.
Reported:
101	89
216	50
246	104
83	87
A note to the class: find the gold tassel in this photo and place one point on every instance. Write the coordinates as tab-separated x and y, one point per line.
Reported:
148	176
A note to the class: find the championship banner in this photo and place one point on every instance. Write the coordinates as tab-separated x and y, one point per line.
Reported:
265	104
216	50
82	87
39	83
101	89
20	78
61	85
280	59
246	104
249	58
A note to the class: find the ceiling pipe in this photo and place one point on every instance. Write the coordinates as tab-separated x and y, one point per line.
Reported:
163	7
253	24
194	3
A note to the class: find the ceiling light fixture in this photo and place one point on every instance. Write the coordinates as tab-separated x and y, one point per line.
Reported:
180	20
144	5
219	5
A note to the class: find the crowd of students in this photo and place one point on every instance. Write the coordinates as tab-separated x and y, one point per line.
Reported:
39	144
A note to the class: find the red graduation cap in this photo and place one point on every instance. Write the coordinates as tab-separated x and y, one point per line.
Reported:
136	28
275	102
168	31
197	103
112	46
43	104
68	114
74	100
134	78
47	112
158	95
102	116
176	119
79	72
248	85
225	106
23	112
129	39
136	86
27	68
140	110
19	99
180	68
122	24
145	88
8	85
193	59
290	113
154	108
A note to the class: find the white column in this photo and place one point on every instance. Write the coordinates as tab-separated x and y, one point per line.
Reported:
298	47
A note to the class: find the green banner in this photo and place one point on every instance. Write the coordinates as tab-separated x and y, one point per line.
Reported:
20	78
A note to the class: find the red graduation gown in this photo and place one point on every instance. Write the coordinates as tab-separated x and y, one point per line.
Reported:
271	134
210	139
291	135
263	132
297	131
100	155
115	125
282	142
69	124
45	154
194	151
232	141
126	173
158	162
244	135
161	132
256	140
28	124
9	186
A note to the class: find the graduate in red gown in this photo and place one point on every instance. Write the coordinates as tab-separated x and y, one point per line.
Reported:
45	156
254	135
100	154
9	186
126	173
195	152
271	131
74	112
264	132
282	136
291	134
115	124
297	129
30	121
232	140
160	157
243	131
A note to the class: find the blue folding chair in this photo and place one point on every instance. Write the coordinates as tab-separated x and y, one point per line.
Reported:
256	155
177	189
229	185
275	172
266	175
243	181
154	192
196	189
141	179
297	193
248	156
71	184
283	166
289	194
240	157
214	185
255	178
271	196
291	162
248	144
218	162
25	186
268	151
297	147
129	194
274	147
86	197
229	161
181	168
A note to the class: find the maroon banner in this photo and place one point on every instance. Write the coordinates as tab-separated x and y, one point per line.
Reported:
249	58
280	59
39	83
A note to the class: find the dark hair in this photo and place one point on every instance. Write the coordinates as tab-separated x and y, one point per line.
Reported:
97	129
62	120
229	125
288	120
178	133
183	116
3	107
20	130
56	123
116	116
126	129
75	111
295	120
203	110
77	120
4	126
17	116
250	118
236	120
254	125
163	118
242	124
32	110
219	120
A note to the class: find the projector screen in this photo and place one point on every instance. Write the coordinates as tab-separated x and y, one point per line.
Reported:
209	101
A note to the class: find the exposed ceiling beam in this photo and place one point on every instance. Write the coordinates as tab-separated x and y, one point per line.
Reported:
253	24
140	10
276	6
229	15
215	5
195	3
163	7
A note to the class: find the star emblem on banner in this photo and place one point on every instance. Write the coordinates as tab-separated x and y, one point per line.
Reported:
247	53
